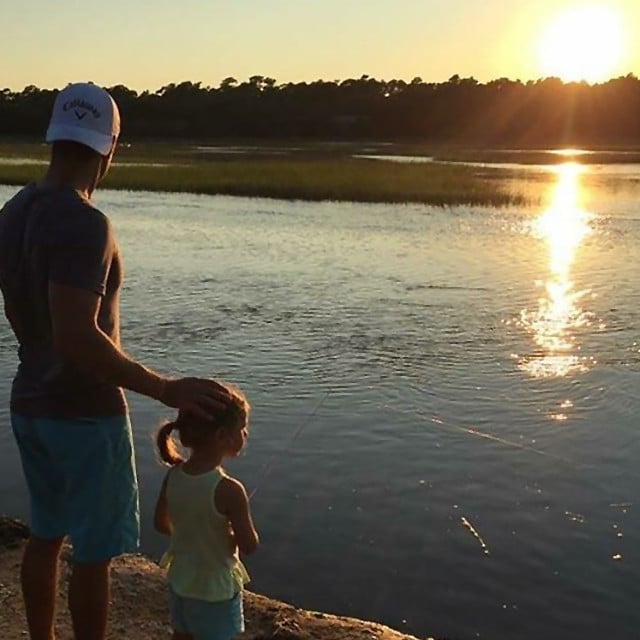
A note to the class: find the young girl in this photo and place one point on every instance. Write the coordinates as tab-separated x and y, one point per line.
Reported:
207	515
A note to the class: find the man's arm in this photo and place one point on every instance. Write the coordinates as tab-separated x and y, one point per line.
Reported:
78	338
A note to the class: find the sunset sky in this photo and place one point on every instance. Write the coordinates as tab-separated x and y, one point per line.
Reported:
148	44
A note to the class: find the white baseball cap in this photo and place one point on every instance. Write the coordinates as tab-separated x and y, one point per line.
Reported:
85	113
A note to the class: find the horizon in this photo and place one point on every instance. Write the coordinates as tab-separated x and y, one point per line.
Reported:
143	48
338	81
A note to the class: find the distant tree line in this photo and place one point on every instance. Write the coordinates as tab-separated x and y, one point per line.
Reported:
461	110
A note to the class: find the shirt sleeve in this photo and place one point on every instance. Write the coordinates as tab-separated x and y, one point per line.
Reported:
81	254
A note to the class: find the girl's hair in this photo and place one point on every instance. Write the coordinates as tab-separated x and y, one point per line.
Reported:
192	429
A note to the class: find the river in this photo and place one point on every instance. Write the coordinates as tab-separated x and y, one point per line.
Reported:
444	433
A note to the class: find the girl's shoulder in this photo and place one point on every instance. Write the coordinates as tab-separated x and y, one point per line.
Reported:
171	472
229	493
230	485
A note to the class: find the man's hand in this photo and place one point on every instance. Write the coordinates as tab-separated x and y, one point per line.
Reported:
199	396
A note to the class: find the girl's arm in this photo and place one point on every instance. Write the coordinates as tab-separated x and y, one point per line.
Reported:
232	500
161	519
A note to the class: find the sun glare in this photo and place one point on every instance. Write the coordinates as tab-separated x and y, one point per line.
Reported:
583	43
559	316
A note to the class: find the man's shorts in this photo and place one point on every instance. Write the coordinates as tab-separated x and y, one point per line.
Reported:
82	483
206	620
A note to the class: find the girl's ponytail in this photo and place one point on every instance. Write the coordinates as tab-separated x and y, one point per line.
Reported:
166	445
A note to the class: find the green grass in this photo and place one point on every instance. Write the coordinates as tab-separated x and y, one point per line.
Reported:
313	174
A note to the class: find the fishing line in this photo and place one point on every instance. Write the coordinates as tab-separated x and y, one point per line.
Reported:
438	422
447	426
270	465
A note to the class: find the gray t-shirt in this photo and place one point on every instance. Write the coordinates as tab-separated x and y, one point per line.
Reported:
53	234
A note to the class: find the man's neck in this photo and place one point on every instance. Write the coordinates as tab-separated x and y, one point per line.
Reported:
57	176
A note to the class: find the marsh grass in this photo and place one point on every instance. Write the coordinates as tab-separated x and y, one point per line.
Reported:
340	179
313	174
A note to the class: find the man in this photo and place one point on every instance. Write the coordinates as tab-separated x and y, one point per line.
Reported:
60	276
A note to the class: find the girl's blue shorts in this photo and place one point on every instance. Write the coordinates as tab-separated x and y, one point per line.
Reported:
206	620
82	483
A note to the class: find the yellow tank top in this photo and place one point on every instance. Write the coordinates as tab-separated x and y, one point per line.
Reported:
200	560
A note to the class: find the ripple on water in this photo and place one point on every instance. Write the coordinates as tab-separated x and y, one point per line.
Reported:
376	344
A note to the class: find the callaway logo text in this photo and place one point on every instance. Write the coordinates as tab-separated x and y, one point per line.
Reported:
81	104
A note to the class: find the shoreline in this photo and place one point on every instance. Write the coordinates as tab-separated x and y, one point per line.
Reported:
306	174
139	608
358	181
307	171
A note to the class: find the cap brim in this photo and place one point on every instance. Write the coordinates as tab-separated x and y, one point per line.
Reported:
96	141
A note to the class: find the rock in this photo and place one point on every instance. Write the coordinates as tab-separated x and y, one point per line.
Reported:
139	605
12	533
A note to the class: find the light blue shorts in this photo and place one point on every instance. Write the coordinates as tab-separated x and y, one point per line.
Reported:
82	483
207	620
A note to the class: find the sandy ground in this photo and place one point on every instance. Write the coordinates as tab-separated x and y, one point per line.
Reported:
139	609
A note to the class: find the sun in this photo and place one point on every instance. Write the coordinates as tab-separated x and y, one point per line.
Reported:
583	43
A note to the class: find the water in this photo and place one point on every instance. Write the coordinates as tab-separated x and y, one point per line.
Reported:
472	469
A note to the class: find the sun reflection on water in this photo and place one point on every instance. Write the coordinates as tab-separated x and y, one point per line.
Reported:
554	324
